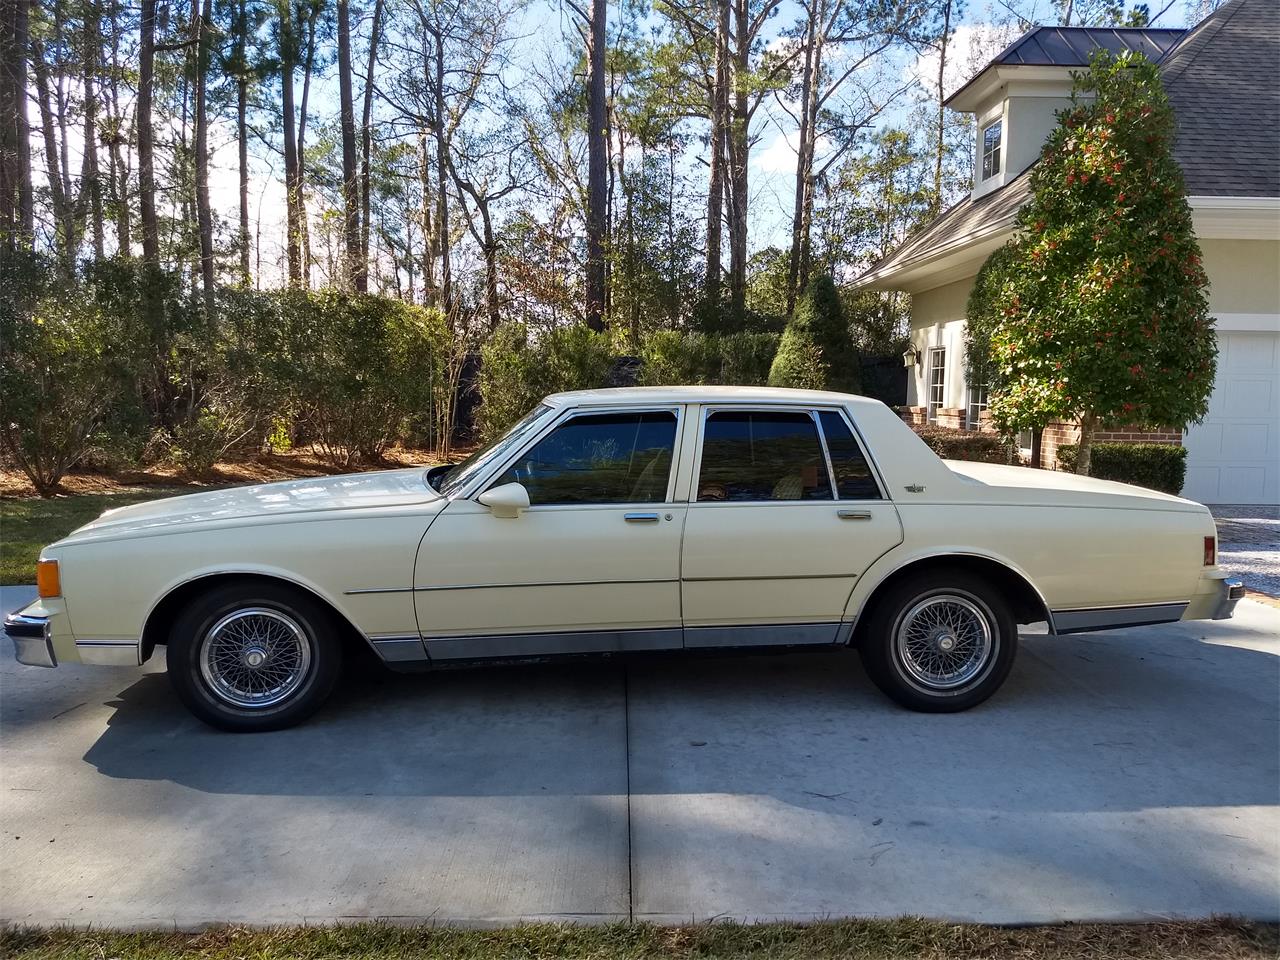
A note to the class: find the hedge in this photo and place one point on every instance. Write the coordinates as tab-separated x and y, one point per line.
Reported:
965	444
1158	466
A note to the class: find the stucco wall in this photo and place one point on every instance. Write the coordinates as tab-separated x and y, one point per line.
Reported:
937	320
1244	276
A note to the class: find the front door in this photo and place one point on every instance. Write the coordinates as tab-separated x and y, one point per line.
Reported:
786	515
591	566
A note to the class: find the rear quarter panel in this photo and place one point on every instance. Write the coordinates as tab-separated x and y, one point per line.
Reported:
1075	556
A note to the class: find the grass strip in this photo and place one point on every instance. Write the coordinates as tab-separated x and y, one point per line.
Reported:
1219	938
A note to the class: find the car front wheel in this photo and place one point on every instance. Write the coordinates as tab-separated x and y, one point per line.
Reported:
254	656
941	643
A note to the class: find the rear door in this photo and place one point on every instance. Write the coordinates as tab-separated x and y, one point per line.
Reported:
785	514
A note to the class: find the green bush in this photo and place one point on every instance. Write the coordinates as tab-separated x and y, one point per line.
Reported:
816	350
64	374
1158	466
965	444
676	357
517	371
362	369
746	358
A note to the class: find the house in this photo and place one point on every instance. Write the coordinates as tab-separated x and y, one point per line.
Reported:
1223	80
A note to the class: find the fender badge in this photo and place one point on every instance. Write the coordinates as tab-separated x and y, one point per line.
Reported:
914	488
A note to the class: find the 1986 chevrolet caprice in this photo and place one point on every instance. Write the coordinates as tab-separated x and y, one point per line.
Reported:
612	521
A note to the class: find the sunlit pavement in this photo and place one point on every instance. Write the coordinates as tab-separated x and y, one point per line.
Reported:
1125	775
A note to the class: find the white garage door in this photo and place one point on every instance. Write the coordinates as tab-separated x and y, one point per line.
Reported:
1234	456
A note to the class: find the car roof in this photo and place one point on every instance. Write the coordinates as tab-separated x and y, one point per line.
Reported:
704	394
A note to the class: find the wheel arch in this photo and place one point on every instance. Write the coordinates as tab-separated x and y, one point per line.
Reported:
160	618
1027	602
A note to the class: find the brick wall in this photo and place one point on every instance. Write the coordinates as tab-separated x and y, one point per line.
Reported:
913	416
1056	434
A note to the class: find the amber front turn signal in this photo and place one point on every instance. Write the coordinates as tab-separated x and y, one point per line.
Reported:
48	579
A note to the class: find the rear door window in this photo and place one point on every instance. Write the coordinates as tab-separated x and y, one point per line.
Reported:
754	456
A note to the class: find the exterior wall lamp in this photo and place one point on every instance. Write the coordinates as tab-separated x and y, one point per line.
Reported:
911	356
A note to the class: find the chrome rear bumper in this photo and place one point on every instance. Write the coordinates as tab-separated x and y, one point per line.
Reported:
1232	593
32	643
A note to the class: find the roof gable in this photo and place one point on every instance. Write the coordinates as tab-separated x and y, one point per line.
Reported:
1223	81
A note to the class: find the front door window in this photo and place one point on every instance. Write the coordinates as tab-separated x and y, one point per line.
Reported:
615	458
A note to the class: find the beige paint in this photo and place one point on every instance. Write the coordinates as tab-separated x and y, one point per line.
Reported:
1244	275
937	320
1080	542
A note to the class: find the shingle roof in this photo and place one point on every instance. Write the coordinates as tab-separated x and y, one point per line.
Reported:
1224	84
1223	80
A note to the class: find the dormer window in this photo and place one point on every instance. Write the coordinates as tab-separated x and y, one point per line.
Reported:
991	149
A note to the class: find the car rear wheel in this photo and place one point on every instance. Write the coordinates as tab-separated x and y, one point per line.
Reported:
940	643
254	656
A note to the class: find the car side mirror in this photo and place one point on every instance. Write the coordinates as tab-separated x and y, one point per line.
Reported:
507	500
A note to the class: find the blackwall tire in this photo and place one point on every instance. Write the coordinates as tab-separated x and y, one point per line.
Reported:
251	656
940	643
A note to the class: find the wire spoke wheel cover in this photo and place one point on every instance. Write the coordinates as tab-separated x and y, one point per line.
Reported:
945	641
255	657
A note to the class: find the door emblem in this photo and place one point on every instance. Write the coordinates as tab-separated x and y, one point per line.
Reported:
915	488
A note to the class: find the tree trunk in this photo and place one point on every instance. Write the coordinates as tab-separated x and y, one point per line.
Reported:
57	196
597	162
204	211
1084	452
242	134
18	213
715	187
293	185
428	228
804	156
304	224
739	147
444	241
119	169
366	140
91	181
940	144
146	142
353	273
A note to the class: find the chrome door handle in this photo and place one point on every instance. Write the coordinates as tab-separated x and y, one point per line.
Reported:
854	514
640	517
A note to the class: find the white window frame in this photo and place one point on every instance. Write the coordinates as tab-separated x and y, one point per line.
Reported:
937	365
995	154
975	403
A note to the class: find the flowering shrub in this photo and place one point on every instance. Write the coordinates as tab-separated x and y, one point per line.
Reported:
1103	312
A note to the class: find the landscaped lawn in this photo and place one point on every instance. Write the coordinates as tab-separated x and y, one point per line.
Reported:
862	939
29	523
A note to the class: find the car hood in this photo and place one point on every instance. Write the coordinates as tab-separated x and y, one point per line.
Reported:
264	502
1024	484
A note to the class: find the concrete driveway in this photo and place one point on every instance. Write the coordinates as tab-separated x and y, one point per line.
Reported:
1125	775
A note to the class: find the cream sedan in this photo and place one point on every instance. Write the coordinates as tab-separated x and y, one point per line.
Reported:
624	522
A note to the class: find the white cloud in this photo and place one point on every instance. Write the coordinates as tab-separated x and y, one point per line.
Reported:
972	47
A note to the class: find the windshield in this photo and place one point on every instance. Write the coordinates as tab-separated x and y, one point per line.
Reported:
460	475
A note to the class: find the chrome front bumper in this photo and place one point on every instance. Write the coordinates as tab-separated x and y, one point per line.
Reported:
32	643
1232	592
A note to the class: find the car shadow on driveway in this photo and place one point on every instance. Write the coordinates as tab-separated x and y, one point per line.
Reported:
1150	718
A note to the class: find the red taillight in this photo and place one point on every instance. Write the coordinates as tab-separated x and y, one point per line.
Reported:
1210	551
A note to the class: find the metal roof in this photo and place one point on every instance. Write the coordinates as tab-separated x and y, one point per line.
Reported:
1072	46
